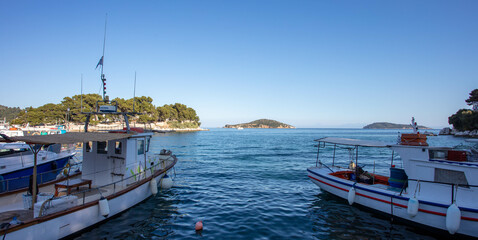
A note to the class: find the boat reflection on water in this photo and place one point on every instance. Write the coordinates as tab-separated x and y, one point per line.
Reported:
333	218
153	218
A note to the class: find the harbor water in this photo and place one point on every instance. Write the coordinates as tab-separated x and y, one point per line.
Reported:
253	184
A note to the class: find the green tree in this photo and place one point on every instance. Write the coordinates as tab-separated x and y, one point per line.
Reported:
78	104
466	119
473	97
9	113
70	109
178	115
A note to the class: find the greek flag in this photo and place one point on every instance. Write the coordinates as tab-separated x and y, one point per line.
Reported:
100	62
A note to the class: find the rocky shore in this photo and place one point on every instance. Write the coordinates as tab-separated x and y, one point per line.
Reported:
449	131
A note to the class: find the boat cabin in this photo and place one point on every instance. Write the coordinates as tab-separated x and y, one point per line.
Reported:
122	158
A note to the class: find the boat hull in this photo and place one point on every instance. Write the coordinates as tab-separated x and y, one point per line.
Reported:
390	201
47	172
66	223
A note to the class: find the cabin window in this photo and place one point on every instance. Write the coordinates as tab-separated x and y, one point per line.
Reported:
450	176
102	147
88	146
140	147
148	141
118	148
438	154
6	152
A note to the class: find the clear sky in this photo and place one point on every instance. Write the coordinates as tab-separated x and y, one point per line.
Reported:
305	63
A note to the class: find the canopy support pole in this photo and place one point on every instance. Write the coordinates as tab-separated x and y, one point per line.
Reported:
87	121
126	120
34	182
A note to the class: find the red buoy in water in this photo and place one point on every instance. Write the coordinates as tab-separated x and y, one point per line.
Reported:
199	226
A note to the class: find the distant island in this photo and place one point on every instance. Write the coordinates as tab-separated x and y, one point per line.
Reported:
261	123
386	125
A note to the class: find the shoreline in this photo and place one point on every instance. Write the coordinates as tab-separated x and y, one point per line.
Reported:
156	128
453	132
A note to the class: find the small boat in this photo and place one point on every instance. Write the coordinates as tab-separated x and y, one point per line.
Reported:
436	188
240	128
16	164
12	132
9	131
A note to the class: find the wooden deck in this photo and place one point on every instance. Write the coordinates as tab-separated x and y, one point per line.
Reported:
12	205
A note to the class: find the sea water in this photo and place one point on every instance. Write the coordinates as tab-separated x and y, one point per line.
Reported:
253	184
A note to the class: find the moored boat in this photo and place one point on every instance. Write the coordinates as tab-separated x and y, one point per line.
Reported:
118	172
16	164
437	187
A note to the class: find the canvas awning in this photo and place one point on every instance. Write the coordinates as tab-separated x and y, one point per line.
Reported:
353	142
70	137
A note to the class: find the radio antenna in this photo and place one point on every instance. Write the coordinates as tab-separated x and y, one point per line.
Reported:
81	96
134	91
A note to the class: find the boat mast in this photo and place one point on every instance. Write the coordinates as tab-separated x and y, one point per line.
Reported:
134	90
81	96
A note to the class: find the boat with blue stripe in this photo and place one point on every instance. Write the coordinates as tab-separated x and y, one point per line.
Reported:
435	187
16	164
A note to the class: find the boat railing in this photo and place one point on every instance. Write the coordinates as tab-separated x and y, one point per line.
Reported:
118	126
96	193
13	184
453	186
346	157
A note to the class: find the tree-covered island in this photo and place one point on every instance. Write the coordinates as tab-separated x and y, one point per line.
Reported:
387	125
174	116
261	123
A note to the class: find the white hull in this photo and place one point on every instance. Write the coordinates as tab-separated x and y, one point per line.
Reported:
62	224
432	213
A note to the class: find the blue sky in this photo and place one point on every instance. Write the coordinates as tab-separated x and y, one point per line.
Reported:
306	63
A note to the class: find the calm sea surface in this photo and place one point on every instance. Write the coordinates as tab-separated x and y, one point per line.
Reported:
253	184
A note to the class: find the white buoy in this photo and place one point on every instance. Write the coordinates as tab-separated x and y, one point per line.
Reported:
453	218
154	186
351	196
413	204
104	207
166	182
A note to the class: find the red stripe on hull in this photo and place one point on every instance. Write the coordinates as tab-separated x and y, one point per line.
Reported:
396	204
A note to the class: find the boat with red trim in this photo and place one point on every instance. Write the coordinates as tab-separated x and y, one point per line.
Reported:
436	186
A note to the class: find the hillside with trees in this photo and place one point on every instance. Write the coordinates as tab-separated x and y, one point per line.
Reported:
261	123
8	113
466	119
69	110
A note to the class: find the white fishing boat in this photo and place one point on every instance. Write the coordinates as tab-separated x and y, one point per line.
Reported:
118	172
436	188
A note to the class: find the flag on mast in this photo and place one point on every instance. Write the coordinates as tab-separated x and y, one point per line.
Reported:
100	62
